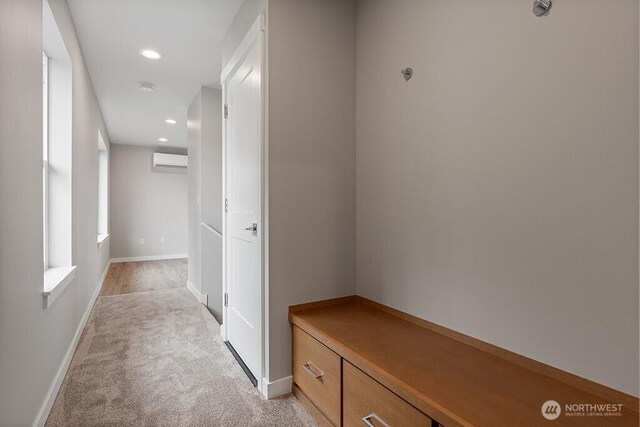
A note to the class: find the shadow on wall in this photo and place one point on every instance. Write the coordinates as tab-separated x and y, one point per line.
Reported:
169	170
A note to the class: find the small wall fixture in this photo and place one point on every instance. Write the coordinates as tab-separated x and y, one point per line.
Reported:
541	7
146	86
407	73
151	54
170	160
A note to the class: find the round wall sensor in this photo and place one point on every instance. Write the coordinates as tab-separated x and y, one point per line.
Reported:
407	73
146	86
541	7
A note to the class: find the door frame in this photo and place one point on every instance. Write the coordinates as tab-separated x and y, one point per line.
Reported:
256	34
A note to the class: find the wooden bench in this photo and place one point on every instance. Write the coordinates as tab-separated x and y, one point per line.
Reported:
357	363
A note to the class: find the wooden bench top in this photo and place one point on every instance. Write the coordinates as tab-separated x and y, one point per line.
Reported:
449	380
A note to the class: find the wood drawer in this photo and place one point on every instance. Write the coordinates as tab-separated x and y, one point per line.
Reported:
316	371
363	396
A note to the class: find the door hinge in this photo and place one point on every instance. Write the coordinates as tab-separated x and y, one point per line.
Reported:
226	111
226	299
226	205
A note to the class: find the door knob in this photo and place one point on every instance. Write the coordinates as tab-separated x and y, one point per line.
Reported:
253	228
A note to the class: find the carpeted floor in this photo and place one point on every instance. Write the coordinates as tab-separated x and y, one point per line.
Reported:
157	359
144	276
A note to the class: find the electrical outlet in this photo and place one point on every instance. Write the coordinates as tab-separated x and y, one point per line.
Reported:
162	240
142	241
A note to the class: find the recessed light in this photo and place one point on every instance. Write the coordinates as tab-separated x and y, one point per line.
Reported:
151	54
170	121
162	139
146	86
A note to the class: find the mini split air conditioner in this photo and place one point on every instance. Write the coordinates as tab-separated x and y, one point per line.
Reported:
170	160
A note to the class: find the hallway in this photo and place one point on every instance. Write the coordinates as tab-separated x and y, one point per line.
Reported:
156	358
142	276
319	212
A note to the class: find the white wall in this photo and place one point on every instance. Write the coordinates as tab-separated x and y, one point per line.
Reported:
497	190
204	137
211	194
33	341
211	157
194	147
146	203
311	83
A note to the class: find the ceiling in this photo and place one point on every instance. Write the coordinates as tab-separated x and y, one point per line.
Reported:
188	35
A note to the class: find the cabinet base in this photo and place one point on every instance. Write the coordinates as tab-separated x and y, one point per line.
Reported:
321	419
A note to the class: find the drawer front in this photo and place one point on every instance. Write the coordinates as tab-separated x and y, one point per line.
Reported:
316	371
365	398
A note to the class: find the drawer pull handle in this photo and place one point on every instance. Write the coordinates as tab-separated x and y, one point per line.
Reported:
307	367
368	418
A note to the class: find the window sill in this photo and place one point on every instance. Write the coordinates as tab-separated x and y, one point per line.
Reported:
102	239
55	281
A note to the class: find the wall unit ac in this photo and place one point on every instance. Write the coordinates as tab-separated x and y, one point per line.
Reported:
170	160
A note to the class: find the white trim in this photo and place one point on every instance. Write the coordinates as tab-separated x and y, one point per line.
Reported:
43	414
277	388
203	298
55	281
211	229
247	41
223	326
265	200
255	36
149	258
102	239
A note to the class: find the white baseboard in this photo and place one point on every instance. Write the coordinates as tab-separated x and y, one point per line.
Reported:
203	298
43	414
277	388
149	258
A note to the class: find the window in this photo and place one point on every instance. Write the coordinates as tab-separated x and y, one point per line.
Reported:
103	191
45	157
57	226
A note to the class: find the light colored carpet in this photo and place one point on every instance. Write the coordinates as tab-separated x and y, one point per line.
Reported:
144	276
157	359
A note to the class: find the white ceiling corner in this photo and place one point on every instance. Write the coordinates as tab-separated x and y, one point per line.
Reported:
188	35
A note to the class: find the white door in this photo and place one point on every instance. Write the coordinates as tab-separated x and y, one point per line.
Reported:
243	216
